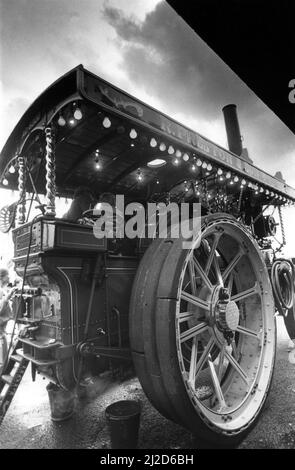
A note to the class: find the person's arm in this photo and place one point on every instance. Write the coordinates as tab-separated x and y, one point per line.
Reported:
5	310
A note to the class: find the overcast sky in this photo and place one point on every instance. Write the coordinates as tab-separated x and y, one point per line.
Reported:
143	47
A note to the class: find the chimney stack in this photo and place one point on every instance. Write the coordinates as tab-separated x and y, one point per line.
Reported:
233	129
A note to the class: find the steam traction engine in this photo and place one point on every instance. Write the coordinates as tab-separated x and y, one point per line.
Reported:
198	324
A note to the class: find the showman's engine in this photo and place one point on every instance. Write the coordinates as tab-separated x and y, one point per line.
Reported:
196	323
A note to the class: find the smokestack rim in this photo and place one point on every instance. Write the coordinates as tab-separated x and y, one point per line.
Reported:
229	106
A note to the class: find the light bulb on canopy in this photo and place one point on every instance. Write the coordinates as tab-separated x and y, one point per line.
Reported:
106	123
133	134
72	122
77	112
61	121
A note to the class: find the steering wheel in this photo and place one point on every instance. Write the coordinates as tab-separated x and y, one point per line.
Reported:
89	214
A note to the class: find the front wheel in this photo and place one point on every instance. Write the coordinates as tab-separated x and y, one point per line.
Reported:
202	330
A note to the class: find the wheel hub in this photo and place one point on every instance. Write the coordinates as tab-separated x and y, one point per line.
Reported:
228	316
225	312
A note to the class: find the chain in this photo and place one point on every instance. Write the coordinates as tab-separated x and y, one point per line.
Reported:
240	199
22	191
50	173
282	226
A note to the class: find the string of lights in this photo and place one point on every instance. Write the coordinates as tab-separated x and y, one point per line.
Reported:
200	167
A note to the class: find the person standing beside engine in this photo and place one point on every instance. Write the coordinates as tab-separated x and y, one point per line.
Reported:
5	312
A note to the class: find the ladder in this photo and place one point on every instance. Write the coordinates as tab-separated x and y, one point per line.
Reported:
10	379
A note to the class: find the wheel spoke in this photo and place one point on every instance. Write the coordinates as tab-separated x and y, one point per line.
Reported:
216	383
194	300
230	284
184	316
237	367
246	293
246	331
217	270
192	276
231	265
204	356
202	273
212	252
194	331
193	362
220	363
234	350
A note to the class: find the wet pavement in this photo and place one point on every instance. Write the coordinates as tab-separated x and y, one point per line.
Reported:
28	424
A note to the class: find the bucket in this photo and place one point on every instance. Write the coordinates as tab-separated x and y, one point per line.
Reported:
62	402
123	419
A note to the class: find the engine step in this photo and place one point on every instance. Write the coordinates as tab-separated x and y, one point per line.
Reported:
7	379
16	358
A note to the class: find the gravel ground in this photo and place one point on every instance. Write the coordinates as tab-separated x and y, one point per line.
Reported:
28	424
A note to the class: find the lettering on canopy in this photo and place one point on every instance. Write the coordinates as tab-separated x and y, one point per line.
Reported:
101	92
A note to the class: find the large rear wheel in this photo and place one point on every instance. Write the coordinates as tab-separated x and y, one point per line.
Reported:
202	330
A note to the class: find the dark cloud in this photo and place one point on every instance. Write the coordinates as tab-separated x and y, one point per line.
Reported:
165	57
165	52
